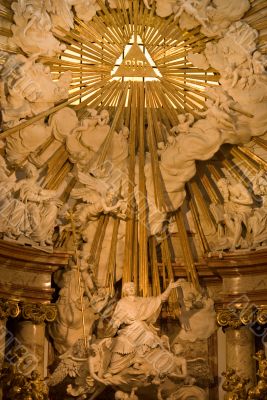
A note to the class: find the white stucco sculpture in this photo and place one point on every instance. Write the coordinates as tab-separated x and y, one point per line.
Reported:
27	141
188	392
41	206
29	211
27	88
137	345
32	29
119	395
214	17
68	328
257	223
132	352
233	217
100	198
242	69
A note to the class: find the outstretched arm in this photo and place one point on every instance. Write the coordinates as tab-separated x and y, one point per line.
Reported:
172	285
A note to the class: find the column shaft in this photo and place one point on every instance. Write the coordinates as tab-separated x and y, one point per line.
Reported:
32	336
240	349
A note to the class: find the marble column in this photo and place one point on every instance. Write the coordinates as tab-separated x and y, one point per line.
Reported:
31	336
240	349
2	341
2	347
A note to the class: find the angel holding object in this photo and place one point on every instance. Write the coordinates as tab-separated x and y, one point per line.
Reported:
99	196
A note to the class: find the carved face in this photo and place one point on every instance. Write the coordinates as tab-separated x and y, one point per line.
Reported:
104	118
129	289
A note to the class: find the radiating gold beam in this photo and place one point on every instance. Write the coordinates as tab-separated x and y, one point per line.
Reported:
197	222
107	142
111	265
154	266
142	205
187	253
128	267
43	114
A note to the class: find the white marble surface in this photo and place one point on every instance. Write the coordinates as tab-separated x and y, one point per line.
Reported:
32	336
240	347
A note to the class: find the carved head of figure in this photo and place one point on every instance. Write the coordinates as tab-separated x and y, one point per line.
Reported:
161	145
171	139
103	118
119	395
125	132
111	197
128	289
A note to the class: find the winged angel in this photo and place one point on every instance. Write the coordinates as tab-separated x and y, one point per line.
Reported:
97	196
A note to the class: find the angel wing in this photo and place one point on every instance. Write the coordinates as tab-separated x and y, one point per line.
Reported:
98	185
85	194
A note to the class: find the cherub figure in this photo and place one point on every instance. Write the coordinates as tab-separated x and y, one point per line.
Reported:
32	28
185	121
191	8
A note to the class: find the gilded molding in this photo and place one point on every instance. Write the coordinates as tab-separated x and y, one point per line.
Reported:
35	312
9	308
235	317
39	313
262	316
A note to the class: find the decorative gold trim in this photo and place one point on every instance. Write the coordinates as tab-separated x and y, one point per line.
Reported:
39	313
235	317
9	308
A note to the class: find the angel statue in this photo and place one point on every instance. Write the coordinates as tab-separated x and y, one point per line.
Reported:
191	7
99	196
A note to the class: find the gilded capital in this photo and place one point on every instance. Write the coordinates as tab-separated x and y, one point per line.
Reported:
236	317
39	313
228	318
9	308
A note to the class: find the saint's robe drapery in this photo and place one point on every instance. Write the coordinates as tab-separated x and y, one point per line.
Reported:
137	338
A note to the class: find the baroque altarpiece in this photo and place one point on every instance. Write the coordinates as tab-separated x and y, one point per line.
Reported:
133	199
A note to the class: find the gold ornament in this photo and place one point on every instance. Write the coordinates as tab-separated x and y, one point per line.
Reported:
8	308
39	313
228	318
259	391
235	317
17	386
234	385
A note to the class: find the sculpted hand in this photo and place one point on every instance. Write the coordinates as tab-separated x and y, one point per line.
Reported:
174	285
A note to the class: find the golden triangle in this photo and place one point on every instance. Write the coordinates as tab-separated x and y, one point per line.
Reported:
135	64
